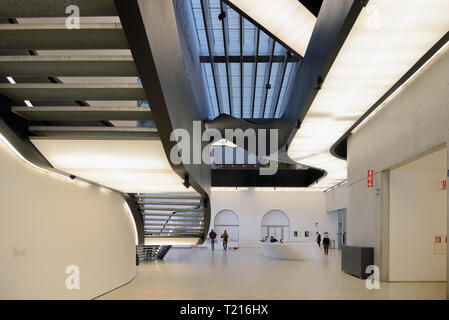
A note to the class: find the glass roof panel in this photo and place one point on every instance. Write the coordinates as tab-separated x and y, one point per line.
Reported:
260	92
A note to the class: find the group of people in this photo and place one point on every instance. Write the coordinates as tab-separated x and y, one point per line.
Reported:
224	237
326	242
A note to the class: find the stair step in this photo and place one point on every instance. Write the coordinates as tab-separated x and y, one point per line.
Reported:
73	92
175	220
180	197
83	113
52	8
165	235
68	66
170	215
172	225
170	203
172	209
58	37
73	132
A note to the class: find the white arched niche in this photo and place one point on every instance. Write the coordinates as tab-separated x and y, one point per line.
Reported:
275	223
229	221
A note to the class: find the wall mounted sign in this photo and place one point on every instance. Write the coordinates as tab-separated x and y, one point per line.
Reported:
440	244
370	178
444	185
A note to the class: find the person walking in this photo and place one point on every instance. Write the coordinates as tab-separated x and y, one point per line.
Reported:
225	238
318	239
326	243
212	236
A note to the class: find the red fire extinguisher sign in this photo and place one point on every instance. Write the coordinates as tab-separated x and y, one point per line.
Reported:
370	179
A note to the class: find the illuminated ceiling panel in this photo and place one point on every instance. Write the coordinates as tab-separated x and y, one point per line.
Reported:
131	166
287	20
388	38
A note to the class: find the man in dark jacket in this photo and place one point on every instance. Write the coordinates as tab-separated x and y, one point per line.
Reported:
212	236
326	243
318	239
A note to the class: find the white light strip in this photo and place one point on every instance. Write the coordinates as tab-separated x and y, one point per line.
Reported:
131	218
288	189
19	155
387	39
395	92
229	189
11	80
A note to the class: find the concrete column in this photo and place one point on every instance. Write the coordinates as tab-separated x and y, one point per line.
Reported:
447	231
385	226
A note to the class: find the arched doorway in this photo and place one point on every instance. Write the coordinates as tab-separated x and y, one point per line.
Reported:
228	220
275	223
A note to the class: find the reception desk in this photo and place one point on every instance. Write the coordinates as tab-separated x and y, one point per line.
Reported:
292	250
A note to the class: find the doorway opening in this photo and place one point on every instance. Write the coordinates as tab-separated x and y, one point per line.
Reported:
229	221
418	219
275	223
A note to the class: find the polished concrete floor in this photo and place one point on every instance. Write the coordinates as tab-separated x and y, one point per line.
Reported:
247	274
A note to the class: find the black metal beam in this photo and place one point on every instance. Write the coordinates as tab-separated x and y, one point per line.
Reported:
280	83
241	66
268	79
210	46
255	73
249	59
225	31
152	33
313	6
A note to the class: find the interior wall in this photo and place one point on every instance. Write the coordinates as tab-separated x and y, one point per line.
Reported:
414	224
48	223
337	198
303	209
410	124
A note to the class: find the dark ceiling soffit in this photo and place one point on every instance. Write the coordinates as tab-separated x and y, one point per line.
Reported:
259	26
339	149
252	178
313	6
198	176
333	25
134	27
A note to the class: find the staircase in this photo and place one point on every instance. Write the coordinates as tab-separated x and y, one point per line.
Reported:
144	252
60	110
171	218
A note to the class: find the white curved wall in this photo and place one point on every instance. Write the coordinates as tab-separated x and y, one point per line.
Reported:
48	223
